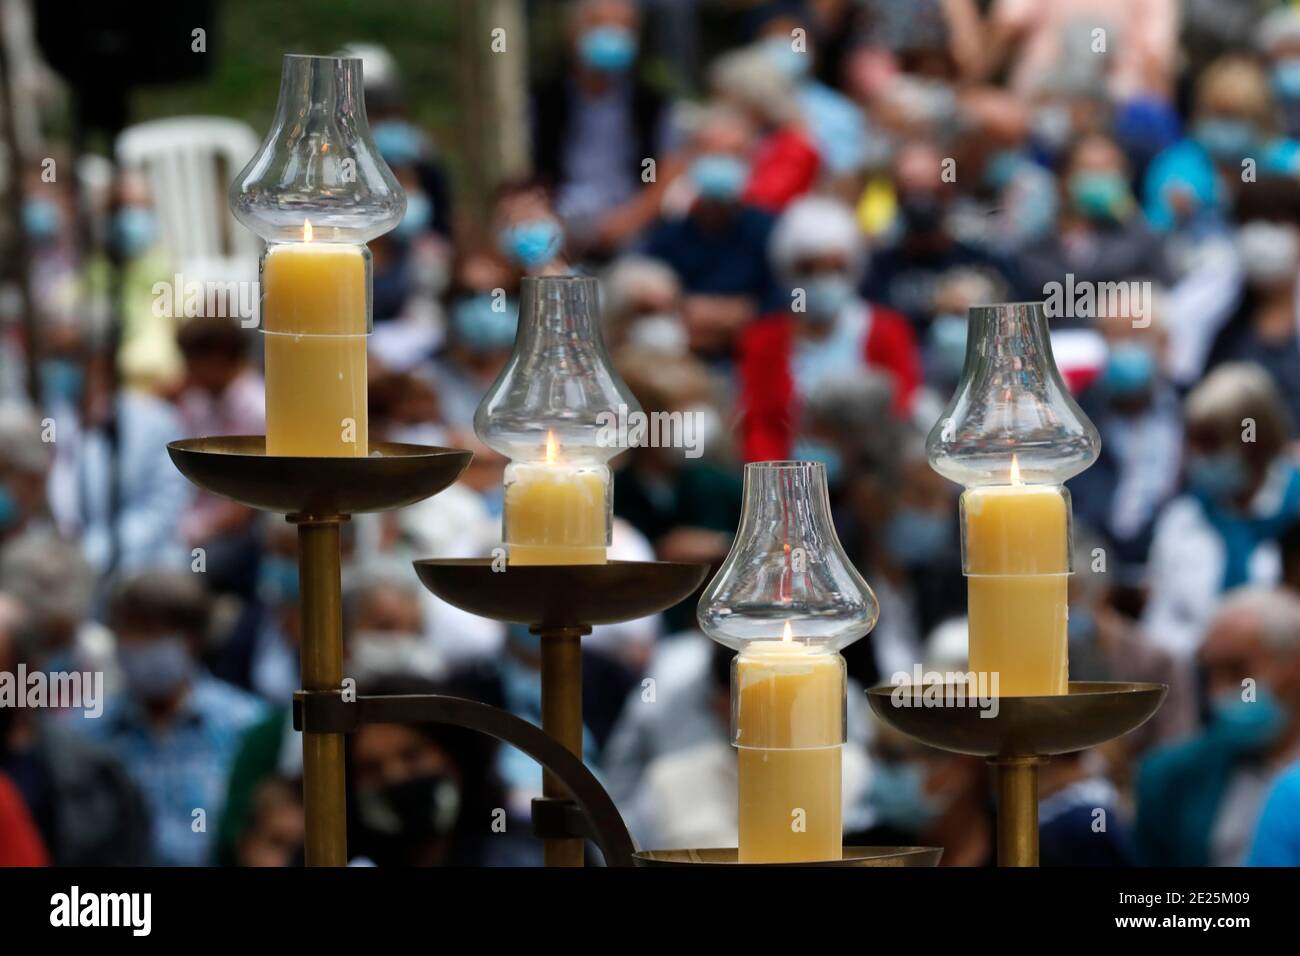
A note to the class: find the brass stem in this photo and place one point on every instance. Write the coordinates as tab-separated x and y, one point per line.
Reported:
562	719
1017	783
321	653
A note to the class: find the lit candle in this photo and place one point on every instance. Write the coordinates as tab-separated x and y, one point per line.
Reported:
1017	562
789	728
314	314
556	512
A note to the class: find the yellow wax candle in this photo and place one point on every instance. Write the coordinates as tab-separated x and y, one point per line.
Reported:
1017	562
789	731
314	315
556	512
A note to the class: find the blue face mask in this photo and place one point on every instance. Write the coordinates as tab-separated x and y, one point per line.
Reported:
419	212
1248	725
825	297
62	380
607	49
155	669
719	176
1286	78
133	230
899	798
1099	195
807	449
532	244
916	537
277	580
399	143
1130	369
480	326
1226	139
8	509
1220	477
793	63
1000	168
41	220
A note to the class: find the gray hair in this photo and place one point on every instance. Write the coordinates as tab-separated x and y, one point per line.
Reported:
1275	610
21	446
49	575
1233	393
628	274
748	76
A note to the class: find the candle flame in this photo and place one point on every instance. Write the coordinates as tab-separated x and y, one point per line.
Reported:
1015	470
306	230
552	448
786	635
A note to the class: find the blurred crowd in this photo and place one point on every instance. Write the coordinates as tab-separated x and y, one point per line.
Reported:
791	206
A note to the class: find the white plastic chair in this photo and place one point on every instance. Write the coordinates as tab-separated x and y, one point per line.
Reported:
189	162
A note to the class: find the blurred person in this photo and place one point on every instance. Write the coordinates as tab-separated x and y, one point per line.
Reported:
836	124
87	811
1036	42
1242	492
1015	202
147	355
847	427
400	141
175	727
1107	645
596	123
641	301
922	247
1232	119
55	584
1139	417
685	500
1199	800
112	484
718	248
24	464
1100	235
384	630
528	232
483	313
277	827
1264	328
223	395
818	251
785	160
427	795
1277	38
1080	817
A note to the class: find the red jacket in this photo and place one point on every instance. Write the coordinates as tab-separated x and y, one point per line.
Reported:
20	843
785	166
769	406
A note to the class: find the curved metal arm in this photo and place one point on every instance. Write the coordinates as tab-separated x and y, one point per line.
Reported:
327	712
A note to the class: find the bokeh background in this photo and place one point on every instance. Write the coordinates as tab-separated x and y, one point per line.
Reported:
791	206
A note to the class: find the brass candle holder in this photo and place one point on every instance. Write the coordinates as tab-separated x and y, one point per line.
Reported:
560	603
318	495
1016	737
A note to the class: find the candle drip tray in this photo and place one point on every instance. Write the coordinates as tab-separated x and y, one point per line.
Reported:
1090	714
394	475
560	595
853	856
